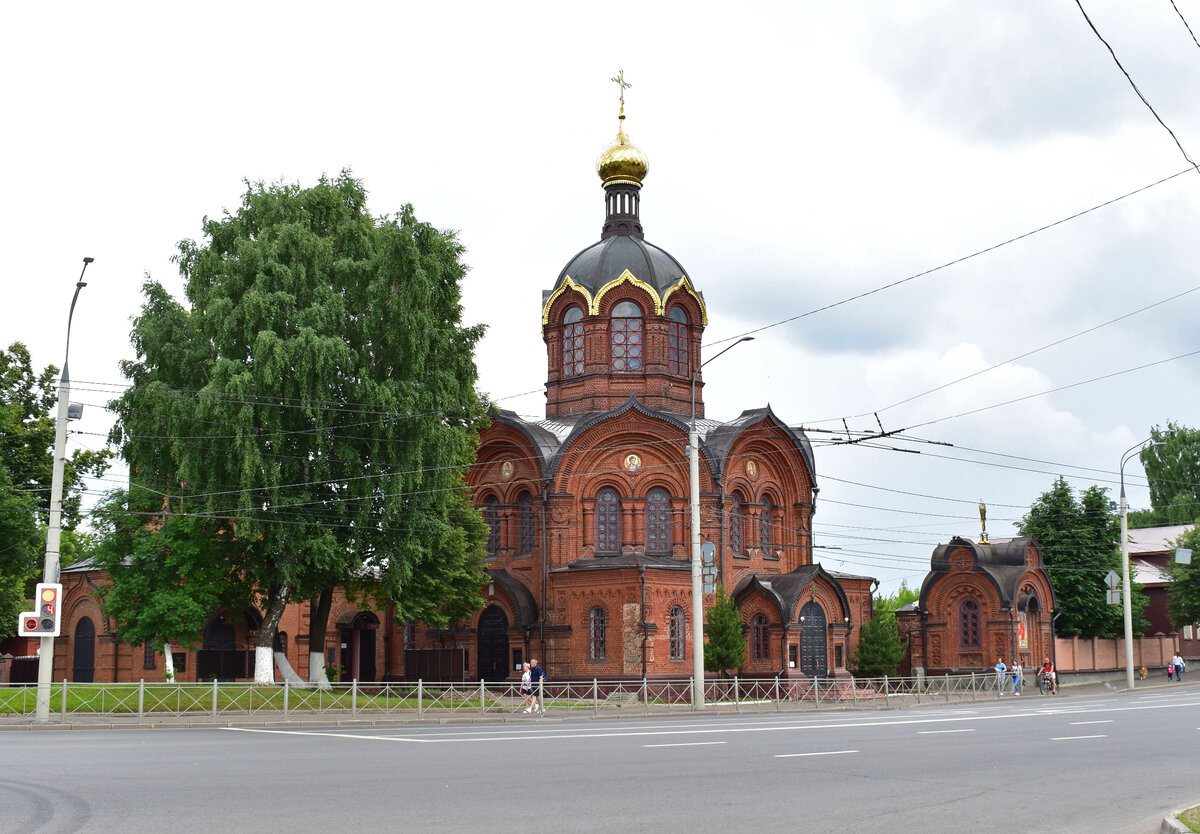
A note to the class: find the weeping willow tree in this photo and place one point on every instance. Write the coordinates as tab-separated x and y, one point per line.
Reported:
314	396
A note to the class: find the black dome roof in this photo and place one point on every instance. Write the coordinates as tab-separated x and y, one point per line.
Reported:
605	261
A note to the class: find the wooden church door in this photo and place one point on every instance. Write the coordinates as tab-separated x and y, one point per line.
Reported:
814	653
492	651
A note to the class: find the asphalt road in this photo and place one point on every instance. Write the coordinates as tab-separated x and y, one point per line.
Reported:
1081	763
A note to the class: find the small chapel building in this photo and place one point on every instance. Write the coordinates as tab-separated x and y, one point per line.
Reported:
589	509
980	602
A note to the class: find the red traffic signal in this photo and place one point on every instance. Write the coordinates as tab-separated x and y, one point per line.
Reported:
45	621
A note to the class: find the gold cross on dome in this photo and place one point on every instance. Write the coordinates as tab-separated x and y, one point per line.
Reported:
623	85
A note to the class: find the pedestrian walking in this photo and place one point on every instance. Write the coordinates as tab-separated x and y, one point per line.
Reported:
1170	671
1179	665
1001	669
1016	676
537	677
527	687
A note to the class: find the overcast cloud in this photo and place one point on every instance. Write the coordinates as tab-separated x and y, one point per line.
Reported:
801	154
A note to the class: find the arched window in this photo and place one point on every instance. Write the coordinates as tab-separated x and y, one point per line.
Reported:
766	527
968	624
677	342
597	639
625	337
572	342
491	517
736	518
526	525
658	521
608	521
678	633
759	648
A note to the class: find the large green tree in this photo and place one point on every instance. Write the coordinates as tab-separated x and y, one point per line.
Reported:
19	551
1173	470
315	395
28	402
1078	537
28	406
166	585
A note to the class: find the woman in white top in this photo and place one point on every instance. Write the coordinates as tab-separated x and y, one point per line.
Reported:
526	687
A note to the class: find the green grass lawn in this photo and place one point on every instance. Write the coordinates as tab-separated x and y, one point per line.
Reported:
97	699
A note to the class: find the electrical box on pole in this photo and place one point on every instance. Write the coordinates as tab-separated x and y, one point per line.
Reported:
47	619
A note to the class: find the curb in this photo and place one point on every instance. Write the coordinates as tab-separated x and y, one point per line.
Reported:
1172	825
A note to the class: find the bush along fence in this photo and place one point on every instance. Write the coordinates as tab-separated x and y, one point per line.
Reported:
424	699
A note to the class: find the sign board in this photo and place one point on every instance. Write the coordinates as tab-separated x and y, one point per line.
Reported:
1112	580
1114	596
708	571
1183	555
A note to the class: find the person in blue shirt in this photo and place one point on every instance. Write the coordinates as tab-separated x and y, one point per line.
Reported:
1000	670
536	675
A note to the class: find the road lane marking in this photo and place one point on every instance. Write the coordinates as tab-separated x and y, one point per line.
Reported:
941	732
825	753
546	733
327	735
1105	721
687	744
1075	738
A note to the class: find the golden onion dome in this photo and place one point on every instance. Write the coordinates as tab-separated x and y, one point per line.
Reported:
623	162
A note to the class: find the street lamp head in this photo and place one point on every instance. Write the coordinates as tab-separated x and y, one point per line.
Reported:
88	260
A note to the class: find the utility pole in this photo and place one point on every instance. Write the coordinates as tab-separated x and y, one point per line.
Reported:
54	529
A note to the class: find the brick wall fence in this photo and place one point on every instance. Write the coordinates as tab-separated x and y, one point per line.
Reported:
1078	655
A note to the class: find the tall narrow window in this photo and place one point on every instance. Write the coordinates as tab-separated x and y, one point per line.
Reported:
572	342
658	521
148	659
759	648
491	517
608	521
736	517
526	525
597	634
677	342
678	633
968	624
766	527
625	337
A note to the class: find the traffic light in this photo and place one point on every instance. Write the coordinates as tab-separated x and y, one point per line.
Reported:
45	621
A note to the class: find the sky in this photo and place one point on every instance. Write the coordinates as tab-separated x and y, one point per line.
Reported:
853	184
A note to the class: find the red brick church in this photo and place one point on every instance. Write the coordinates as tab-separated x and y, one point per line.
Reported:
589	508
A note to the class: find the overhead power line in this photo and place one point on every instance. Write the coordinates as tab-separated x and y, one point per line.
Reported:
1135	86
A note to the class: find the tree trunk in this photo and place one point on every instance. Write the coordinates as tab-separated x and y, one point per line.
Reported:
264	648
317	628
168	662
285	667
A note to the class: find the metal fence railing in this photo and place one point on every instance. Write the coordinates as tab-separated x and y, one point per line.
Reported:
216	700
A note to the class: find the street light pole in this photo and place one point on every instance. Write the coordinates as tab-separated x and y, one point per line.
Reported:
1126	588
697	585
54	528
